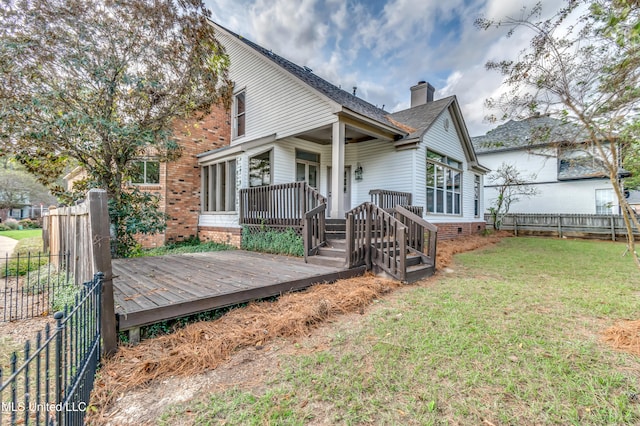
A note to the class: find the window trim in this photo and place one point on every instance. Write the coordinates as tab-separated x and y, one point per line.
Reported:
144	173
225	192
239	115
270	151
443	163
477	194
307	163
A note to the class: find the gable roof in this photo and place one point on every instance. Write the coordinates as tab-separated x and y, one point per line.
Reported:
336	94
532	131
422	117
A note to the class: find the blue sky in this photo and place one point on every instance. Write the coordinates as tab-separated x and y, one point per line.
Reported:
385	46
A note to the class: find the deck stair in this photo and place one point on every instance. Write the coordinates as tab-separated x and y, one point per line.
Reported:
334	251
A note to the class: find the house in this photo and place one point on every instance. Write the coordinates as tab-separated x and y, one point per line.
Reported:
568	177
289	125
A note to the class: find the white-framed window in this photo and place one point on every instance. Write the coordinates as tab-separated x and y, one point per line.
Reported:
145	172
239	114
477	192
444	184
604	201
260	169
308	168
219	186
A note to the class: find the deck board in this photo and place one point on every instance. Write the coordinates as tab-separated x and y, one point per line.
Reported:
152	289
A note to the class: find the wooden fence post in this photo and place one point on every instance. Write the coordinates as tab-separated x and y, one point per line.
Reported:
100	239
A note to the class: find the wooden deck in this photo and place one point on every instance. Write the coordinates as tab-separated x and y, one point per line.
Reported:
153	289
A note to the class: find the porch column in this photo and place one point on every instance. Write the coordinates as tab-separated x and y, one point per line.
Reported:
337	170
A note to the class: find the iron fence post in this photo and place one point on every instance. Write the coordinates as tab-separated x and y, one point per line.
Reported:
59	329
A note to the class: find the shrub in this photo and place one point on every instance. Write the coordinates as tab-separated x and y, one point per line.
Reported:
29	224
4	227
23	264
62	296
273	241
12	224
47	277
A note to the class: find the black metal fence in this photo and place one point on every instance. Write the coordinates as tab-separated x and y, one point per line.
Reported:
49	382
33	285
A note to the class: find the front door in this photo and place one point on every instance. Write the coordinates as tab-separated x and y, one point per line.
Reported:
346	188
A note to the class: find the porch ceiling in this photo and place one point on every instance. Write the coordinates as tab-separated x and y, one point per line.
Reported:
323	135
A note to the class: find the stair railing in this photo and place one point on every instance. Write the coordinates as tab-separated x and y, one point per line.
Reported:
374	237
314	223
417	228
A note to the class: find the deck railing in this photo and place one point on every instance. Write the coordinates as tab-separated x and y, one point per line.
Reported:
314	230
374	237
417	230
389	199
283	205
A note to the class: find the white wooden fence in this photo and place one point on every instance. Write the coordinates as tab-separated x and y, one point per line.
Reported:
566	225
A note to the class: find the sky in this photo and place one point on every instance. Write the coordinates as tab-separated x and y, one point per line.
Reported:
383	47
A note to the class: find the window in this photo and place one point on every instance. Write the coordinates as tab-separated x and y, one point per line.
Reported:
604	201
307	166
239	114
444	184
219	187
476	195
260	169
145	172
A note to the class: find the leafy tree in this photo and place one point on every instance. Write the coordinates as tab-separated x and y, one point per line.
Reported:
581	66
18	188
102	83
511	187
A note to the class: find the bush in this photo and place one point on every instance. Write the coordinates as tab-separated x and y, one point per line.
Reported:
62	296
191	245
272	241
47	277
12	224
4	227
29	224
19	266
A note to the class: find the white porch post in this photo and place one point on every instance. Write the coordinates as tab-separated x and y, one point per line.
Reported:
337	170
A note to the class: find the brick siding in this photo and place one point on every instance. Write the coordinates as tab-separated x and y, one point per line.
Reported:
231	236
449	231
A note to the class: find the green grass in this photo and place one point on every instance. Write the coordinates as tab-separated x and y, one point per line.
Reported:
20	235
511	336
26	263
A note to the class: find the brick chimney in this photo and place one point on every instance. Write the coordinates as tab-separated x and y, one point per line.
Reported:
422	93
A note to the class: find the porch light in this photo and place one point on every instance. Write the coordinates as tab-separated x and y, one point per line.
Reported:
358	173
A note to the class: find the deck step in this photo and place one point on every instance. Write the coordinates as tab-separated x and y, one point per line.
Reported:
418	272
332	252
339	243
327	261
335	235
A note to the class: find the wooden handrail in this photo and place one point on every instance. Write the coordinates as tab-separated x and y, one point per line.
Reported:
389	199
415	236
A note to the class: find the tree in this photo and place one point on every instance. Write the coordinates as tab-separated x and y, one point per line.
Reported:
582	66
511	187
18	188
102	83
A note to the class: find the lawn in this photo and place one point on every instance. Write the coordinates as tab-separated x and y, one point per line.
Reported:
510	334
22	234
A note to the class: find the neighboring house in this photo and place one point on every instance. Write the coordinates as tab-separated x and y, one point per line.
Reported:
289	125
569	177
634	201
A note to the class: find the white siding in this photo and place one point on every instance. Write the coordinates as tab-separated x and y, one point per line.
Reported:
449	143
575	196
222	220
276	102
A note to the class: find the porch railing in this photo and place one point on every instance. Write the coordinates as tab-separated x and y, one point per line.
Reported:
283	205
386	199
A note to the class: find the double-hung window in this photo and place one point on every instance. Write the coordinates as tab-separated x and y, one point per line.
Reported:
477	190
145	172
307	166
219	187
260	169
444	184
239	114
604	201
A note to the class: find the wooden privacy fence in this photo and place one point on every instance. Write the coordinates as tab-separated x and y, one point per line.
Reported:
565	225
82	231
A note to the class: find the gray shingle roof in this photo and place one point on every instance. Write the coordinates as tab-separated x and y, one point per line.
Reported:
531	131
421	117
333	92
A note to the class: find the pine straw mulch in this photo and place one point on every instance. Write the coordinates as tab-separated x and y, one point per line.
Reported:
624	336
204	346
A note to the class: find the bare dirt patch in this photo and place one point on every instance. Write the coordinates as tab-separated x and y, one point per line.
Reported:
123	394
